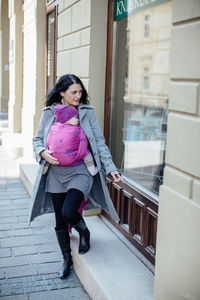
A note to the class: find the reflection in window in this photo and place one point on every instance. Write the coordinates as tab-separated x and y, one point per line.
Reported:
147	25
140	95
146	79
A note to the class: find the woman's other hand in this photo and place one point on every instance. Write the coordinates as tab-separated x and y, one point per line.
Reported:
116	176
46	154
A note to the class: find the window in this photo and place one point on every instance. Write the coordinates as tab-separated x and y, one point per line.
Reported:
147	26
139	94
51	46
146	79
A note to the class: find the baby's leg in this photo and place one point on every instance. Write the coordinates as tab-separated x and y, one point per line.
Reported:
89	162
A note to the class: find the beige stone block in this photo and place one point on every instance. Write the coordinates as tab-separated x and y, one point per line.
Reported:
184	10
64	22
67	3
196	191
81	15
40	66
60	5
4	57
27	3
30	11
80	61
98	42
185	54
60	44
85	36
184	96
177	269
85	83
11	8
72	41
183	143
63	63
178	181
29	29
198	100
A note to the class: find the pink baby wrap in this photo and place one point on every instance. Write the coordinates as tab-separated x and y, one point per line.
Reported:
68	143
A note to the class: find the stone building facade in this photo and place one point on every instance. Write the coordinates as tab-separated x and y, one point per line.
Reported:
50	38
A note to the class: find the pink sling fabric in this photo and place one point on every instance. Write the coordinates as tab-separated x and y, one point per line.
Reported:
68	143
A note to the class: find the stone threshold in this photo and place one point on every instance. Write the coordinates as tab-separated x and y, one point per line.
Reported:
110	270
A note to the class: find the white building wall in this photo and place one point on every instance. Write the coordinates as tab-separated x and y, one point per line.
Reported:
81	46
33	69
15	66
4	56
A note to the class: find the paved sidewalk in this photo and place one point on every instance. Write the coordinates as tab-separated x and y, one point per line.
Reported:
29	256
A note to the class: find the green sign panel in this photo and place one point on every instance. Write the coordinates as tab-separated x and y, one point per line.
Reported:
120	9
124	7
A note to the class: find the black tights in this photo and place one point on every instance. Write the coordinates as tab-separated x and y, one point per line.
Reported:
66	207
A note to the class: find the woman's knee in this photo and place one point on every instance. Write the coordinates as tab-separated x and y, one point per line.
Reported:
66	214
71	205
70	216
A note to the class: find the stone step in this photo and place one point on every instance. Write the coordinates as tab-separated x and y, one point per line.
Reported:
110	270
3	129
4	122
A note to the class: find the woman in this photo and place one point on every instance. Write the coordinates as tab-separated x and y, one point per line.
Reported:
63	188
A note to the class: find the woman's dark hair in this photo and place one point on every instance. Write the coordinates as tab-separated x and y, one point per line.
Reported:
62	85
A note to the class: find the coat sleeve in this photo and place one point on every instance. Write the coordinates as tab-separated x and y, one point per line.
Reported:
38	140
104	152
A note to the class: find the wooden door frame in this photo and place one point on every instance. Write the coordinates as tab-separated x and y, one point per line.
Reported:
109	54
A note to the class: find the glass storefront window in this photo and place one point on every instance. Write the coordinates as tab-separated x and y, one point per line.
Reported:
139	102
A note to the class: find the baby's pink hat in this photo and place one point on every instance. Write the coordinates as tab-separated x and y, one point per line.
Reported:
64	113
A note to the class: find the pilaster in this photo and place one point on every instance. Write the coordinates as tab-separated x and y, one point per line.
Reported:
177	256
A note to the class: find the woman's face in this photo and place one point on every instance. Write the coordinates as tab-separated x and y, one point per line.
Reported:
72	95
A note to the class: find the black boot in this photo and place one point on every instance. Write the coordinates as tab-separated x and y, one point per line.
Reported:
84	234
64	243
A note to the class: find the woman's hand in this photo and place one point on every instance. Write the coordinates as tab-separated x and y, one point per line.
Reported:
116	176
46	154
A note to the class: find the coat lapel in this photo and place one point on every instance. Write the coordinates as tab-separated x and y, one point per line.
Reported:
81	113
82	109
50	121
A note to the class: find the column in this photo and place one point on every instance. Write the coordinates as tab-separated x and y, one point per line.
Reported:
4	56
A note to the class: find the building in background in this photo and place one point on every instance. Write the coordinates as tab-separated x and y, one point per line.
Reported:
139	60
4	56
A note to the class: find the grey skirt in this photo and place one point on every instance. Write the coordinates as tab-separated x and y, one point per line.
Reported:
61	178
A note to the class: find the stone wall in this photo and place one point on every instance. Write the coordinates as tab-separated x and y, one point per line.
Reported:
33	69
81	46
4	56
177	258
15	66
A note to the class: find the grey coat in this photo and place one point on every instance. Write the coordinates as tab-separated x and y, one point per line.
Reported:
41	201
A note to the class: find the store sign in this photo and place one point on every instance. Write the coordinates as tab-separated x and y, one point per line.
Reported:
120	9
124	7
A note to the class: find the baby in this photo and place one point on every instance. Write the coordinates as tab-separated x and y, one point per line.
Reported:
67	140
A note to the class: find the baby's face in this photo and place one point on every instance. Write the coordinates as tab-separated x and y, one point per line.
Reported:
73	121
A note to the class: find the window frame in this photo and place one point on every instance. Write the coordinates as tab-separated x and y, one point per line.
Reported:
50	7
147	26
